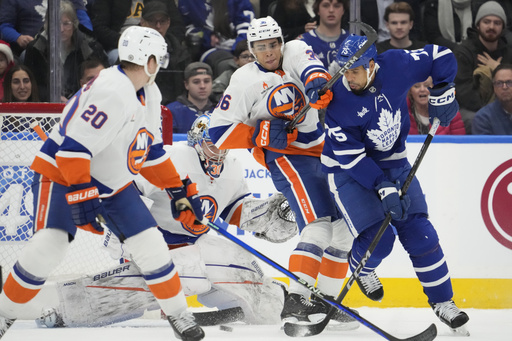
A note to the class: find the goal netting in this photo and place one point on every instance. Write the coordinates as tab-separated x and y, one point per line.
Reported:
19	143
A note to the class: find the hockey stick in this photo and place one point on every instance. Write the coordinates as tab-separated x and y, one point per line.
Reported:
427	335
37	128
292	329
371	38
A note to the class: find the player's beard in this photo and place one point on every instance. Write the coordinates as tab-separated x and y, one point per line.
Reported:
489	36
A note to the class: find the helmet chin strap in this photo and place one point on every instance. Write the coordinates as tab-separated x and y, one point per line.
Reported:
151	76
369	76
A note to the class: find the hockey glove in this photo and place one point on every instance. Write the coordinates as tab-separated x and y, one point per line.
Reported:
186	206
86	209
273	134
314	83
442	104
392	202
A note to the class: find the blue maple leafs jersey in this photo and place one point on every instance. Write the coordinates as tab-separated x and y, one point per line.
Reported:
366	133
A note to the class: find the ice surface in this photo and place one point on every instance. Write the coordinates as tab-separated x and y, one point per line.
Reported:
484	325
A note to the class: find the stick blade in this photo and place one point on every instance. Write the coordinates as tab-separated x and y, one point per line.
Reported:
428	334
306	329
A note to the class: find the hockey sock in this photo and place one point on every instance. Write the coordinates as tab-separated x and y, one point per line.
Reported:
333	270
42	254
306	258
149	251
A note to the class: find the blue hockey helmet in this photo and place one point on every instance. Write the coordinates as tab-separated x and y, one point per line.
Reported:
199	138
350	46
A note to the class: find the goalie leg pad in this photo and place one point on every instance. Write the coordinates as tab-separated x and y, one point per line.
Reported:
271	219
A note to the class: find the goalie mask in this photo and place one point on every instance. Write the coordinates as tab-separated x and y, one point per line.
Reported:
211	157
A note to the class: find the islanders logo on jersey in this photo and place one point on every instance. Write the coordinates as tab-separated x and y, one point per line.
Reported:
210	210
138	150
285	101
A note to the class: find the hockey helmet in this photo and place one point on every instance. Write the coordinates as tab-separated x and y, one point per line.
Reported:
264	28
199	138
137	44
350	46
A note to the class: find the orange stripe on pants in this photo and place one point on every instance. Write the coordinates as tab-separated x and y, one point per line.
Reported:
300	192
332	269
16	292
43	203
305	265
167	289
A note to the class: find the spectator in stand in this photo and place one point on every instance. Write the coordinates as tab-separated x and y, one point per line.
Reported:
496	118
417	103
170	80
21	20
399	18
328	36
196	99
214	28
446	22
295	17
6	62
477	57
90	69
372	13
241	56
111	17
75	48
507	6
19	86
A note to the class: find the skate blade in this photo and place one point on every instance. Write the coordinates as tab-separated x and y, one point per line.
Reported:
461	331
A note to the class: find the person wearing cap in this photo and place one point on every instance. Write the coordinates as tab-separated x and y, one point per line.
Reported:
477	56
156	15
196	99
6	63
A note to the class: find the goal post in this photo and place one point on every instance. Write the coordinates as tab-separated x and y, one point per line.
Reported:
22	126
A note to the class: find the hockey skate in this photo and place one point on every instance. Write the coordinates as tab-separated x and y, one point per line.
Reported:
342	321
185	328
5	323
452	316
50	318
371	286
298	308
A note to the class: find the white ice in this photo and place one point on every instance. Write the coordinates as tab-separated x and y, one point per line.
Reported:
484	325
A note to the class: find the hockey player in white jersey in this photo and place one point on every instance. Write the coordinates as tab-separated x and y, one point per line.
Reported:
261	99
366	158
109	133
219	272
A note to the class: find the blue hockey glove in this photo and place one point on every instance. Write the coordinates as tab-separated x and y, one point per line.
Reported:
86	209
273	134
186	205
392	202
442	104
314	83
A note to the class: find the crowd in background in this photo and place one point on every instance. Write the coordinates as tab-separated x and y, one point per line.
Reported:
209	37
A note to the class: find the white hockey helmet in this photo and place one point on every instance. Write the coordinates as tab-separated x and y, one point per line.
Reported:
137	44
264	28
199	138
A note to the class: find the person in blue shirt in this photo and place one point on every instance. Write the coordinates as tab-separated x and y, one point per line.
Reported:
196	99
365	156
496	117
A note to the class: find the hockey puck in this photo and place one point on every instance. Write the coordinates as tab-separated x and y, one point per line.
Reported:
226	328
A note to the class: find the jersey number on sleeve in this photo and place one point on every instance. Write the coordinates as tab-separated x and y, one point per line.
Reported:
96	118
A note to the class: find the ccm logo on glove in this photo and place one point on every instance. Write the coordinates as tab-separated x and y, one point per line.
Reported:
264	133
82	195
445	98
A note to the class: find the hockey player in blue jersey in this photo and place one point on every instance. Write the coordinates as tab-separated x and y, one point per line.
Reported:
367	124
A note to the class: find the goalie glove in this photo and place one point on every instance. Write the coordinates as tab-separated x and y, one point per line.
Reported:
271	219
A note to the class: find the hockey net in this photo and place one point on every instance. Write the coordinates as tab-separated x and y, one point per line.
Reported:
19	144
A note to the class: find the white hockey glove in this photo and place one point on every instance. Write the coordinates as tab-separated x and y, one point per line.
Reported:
271	219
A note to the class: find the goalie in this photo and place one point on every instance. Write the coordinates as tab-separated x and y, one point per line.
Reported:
220	273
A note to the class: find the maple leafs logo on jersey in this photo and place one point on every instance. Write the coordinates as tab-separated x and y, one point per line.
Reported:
388	132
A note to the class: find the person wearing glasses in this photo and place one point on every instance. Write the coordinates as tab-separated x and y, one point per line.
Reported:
170	80
75	49
496	117
477	56
241	56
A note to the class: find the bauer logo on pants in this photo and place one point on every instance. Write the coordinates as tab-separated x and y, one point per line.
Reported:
496	204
